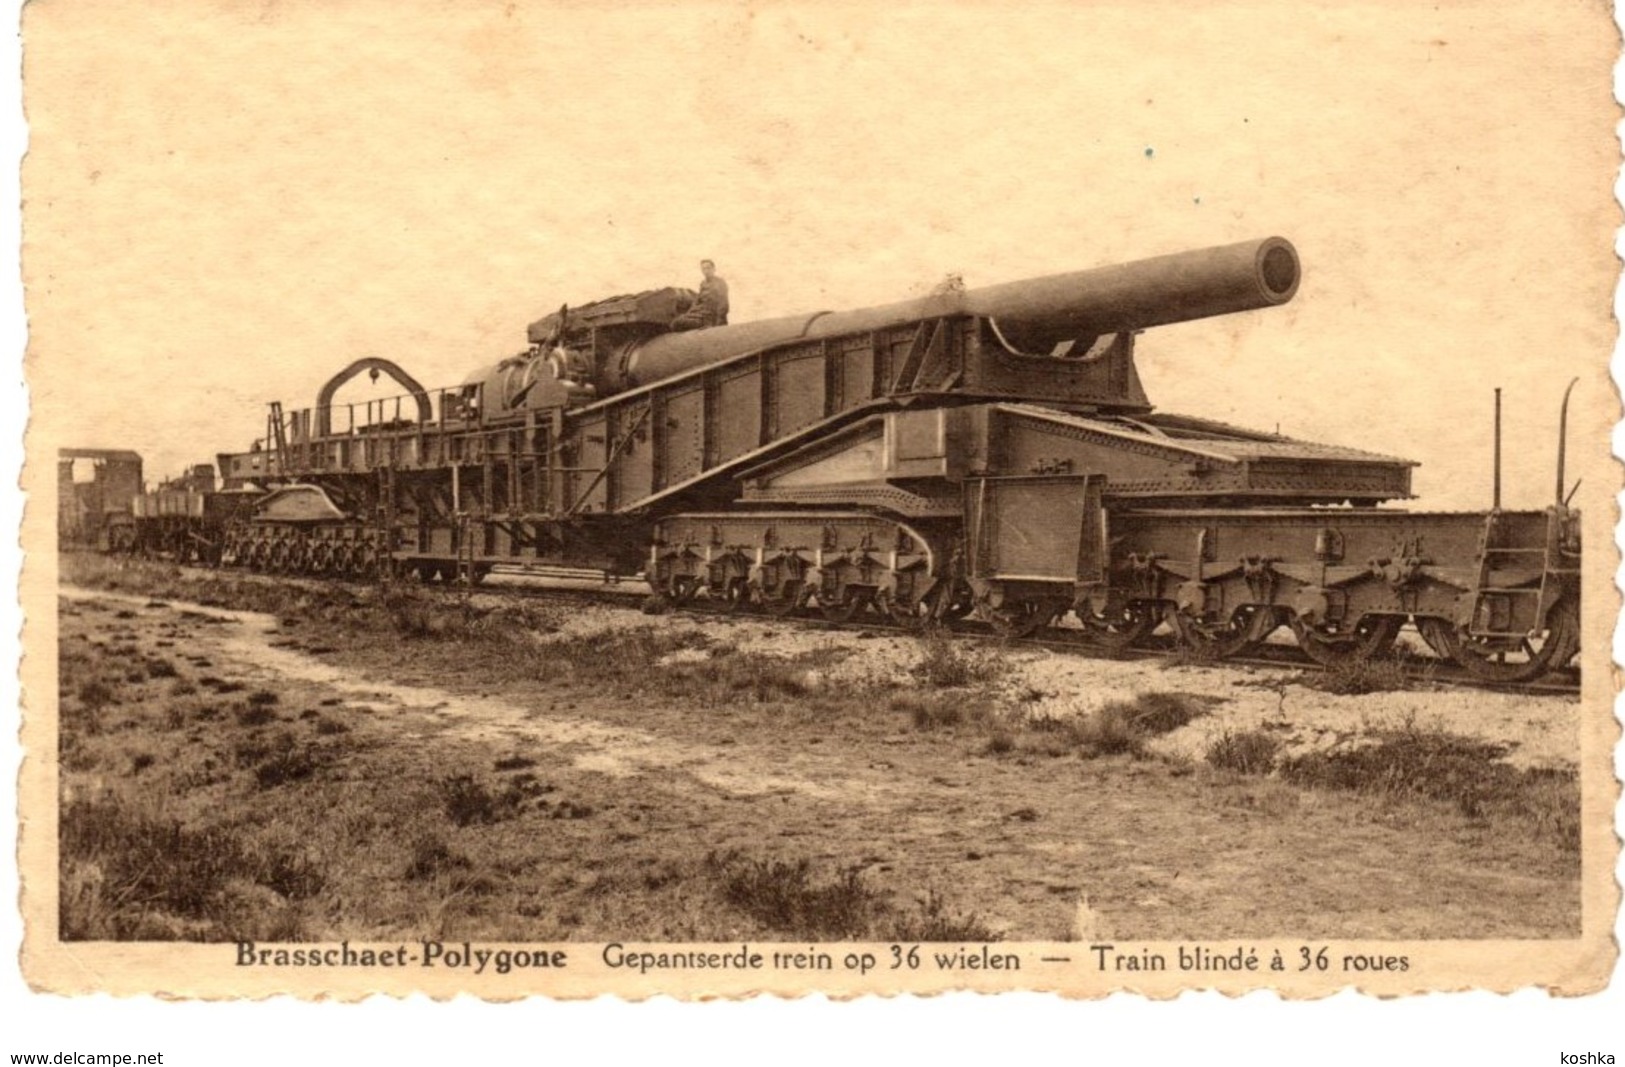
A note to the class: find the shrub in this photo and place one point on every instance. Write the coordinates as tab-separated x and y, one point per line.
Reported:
1247	752
1109	731
411	614
1163	713
1410	762
129	875
934	923
931	710
414	615
285	765
1124	726
155	865
431	856
1549	800
467	801
569	809
631	655
948	663
1000	743
784	897
158	667
293	874
1380	674
255	715
1469	774
277	759
95	694
1198	655
763	679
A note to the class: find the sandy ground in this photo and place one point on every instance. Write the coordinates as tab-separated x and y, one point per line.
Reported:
1536	730
1040	848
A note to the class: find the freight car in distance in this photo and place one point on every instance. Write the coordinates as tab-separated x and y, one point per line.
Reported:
103	504
94	487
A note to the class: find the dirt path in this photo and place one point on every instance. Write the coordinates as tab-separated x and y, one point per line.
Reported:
254	653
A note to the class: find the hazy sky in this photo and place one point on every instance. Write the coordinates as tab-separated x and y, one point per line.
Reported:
227	202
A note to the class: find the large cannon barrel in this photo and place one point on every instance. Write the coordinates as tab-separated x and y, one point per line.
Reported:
1035	315
1032	315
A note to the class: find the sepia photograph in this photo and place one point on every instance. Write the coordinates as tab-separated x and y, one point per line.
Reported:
533	499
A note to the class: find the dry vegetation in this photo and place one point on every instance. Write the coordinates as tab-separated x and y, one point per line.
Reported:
1425	767
1379	674
200	804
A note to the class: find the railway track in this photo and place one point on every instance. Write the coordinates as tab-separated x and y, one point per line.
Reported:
1422	669
591	587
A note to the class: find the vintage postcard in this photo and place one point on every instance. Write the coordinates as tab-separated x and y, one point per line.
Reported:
556	500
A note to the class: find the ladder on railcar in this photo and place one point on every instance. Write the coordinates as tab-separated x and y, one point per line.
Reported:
277	438
1490	551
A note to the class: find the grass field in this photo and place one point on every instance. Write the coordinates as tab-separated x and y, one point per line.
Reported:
375	764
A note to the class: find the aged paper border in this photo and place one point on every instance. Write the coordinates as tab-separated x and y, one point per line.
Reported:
1551	964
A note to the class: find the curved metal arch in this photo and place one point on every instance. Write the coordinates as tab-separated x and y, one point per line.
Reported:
324	399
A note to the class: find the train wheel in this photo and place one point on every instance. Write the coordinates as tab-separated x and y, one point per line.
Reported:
898	611
1507	660
682	589
1371	636
961	602
1115	631
1021	618
845	609
1247	626
733	595
789	598
914	614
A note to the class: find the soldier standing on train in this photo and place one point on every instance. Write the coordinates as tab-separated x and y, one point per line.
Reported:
711	308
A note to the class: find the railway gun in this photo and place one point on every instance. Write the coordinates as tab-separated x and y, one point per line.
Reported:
987	451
